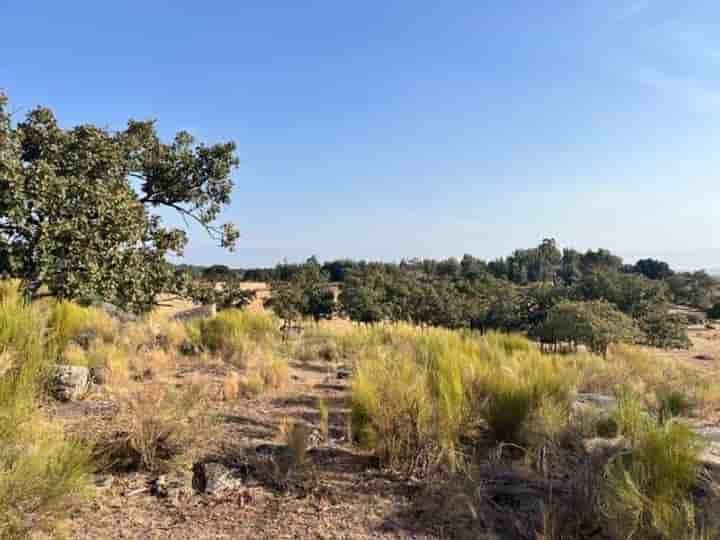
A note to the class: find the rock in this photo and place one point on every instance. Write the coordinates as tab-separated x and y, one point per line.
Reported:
601	449
69	383
200	312
344	372
215	478
599	401
292	331
116	313
103	481
100	374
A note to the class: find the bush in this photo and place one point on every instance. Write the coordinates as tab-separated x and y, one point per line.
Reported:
68	321
37	487
391	412
227	331
671	403
155	421
41	471
714	311
417	394
507	407
646	489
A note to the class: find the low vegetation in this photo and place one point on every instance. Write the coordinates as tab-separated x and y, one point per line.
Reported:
431	403
41	469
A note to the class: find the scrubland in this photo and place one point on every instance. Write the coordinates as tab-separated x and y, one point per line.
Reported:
350	431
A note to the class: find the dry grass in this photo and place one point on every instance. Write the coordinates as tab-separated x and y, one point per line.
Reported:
155	423
41	470
295	436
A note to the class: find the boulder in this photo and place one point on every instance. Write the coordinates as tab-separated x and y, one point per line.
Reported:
215	478
69	383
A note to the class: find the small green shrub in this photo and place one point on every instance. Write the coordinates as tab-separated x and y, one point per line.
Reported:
607	427
391	412
227	331
672	403
630	416
41	471
646	489
507	406
67	321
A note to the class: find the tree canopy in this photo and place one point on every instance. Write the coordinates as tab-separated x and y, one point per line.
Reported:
78	206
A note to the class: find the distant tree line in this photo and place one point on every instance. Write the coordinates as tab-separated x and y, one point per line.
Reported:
534	290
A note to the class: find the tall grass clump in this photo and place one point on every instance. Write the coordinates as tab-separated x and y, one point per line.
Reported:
647	489
68	321
424	391
391	409
40	469
156	423
227	331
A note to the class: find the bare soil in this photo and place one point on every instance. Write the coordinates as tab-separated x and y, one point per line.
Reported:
343	494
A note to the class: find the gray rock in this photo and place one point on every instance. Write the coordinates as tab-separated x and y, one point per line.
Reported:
200	312
116	313
601	449
711	433
600	401
215	478
69	383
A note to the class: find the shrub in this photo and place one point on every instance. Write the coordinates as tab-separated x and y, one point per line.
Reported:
646	489
155	421
41	470
231	386
67	321
296	435
630	416
224	332
274	371
671	403
714	311
251	385
418	394
391	410
507	406
37	487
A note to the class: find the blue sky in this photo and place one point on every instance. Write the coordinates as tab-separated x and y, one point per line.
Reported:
388	129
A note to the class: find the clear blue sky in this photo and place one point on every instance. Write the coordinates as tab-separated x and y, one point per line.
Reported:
388	129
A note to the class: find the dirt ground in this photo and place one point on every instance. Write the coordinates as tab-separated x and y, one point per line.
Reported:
344	496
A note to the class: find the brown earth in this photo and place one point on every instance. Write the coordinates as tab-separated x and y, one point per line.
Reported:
344	494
